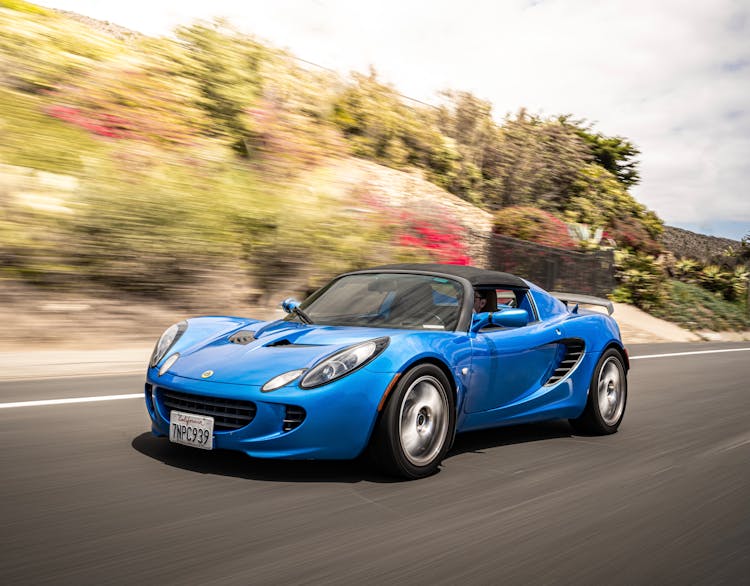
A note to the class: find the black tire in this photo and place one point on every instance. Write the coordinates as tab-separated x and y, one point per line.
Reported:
608	394
416	428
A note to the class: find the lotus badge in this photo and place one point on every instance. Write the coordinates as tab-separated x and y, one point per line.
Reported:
207	374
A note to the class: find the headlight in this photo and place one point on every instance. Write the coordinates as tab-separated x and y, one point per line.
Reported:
343	362
168	363
281	380
167	340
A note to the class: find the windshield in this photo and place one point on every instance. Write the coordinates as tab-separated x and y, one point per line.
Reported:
388	300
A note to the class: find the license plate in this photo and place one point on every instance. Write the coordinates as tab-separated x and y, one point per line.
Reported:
191	430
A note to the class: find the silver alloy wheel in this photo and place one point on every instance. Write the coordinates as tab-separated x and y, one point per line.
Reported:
611	391
423	420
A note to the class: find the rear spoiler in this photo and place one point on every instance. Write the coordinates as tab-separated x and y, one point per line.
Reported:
568	298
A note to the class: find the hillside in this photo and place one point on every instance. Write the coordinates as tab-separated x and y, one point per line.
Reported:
686	244
102	26
210	170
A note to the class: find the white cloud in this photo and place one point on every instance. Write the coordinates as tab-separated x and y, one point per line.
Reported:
673	77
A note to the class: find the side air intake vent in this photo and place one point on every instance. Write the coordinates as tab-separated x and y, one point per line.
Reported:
242	337
573	353
293	417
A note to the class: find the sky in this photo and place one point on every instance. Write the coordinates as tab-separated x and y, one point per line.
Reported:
673	77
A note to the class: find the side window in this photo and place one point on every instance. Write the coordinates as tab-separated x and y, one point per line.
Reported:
506	297
497	299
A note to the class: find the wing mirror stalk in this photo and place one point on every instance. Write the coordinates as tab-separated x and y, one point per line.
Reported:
291	306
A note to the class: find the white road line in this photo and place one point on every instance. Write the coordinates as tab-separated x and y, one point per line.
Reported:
689	353
140	395
66	401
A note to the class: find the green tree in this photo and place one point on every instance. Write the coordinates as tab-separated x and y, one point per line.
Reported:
614	153
225	67
378	125
537	161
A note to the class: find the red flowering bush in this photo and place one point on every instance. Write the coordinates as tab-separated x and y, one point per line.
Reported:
429	235
132	102
97	122
442	244
532	224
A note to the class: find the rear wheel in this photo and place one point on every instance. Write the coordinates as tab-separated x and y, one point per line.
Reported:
416	427
608	395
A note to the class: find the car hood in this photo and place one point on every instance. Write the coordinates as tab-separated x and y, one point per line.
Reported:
277	348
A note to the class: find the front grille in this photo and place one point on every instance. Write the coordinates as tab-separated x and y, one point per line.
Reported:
293	417
573	353
228	414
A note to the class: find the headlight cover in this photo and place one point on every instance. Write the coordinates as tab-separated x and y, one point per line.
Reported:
343	362
169	363
283	379
167	340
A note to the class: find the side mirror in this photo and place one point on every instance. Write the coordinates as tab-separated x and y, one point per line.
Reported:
289	304
509	318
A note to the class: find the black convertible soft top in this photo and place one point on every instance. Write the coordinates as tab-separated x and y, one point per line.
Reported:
477	277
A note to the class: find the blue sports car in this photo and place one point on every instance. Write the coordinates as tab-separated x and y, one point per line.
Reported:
395	360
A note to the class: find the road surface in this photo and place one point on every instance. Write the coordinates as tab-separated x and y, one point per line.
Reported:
88	496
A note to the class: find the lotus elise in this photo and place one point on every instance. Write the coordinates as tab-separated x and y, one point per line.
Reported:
393	360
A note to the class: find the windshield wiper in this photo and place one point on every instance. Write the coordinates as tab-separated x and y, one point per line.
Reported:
304	318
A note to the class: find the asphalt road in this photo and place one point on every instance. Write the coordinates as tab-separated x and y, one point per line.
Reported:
87	496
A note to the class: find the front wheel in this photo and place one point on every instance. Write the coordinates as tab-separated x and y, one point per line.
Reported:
608	394
416	427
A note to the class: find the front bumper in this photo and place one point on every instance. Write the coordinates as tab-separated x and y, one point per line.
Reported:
338	417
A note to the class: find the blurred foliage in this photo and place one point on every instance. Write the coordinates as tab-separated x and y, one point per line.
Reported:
131	99
695	308
741	255
41	49
31	138
631	234
224	66
730	284
534	225
725	275
642	280
526	160
22	6
601	200
201	151
379	126
687	270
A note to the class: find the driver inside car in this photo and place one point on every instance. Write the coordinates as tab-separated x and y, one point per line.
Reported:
485	300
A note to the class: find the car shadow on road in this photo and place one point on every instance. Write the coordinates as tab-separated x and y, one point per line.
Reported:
236	464
478	441
239	465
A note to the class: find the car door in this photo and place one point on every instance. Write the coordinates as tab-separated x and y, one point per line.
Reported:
509	365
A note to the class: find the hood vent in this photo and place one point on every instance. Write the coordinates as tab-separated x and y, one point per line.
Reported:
574	348
285	342
242	337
